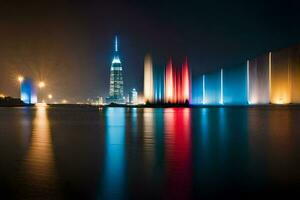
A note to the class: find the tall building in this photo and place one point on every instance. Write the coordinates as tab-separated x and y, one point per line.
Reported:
116	84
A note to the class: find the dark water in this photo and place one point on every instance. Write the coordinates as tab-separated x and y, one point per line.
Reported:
173	153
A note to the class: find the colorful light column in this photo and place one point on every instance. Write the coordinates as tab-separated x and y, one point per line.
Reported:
185	82
197	90
169	80
222	97
171	85
235	88
159	84
148	79
203	89
213	88
295	72
280	77
258	80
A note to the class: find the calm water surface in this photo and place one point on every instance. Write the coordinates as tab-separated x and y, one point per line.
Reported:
172	153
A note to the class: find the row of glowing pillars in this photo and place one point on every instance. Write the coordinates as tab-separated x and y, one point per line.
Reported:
221	88
280	101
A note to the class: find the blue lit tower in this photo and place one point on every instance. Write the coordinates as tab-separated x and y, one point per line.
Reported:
28	92
116	84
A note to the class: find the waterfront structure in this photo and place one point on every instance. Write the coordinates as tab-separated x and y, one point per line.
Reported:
133	97
28	91
116	84
272	78
101	101
95	101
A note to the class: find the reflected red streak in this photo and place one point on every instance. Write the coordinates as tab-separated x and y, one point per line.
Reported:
178	153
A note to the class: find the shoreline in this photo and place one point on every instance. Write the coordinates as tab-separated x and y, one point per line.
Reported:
154	106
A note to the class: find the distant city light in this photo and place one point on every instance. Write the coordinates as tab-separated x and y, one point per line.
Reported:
2	96
64	101
50	96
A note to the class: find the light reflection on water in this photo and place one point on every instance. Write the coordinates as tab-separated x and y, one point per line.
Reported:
172	153
149	139
38	174
178	155
113	178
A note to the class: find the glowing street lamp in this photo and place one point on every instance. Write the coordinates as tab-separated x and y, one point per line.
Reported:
20	79
41	84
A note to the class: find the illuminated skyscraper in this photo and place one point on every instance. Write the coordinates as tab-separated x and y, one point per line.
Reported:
116	84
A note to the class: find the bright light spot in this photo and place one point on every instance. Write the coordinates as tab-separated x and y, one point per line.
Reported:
64	101
116	60
41	84
2	96
20	79
50	96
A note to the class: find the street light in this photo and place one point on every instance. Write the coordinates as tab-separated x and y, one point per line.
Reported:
20	79
50	96
41	84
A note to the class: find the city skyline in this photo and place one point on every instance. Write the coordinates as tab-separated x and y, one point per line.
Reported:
71	53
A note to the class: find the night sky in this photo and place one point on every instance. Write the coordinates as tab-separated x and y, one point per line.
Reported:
69	44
